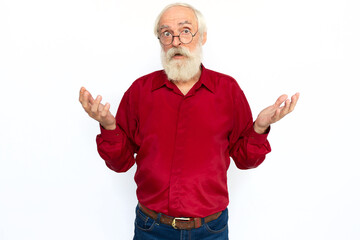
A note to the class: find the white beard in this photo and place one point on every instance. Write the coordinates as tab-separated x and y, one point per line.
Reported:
181	69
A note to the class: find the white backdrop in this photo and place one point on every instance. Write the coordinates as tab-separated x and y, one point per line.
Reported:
53	184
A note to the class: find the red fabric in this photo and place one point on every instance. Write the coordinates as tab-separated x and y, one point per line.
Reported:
182	144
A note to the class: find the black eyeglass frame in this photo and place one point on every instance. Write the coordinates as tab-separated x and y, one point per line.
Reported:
173	36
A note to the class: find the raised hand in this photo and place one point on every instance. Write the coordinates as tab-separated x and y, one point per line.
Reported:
97	110
275	112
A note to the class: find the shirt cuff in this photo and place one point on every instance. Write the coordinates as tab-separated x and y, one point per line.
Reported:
111	135
257	138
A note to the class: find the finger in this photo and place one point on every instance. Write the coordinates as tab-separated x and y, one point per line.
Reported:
105	110
86	97
82	90
100	108
95	105
285	109
294	100
280	100
85	100
82	94
276	116
90	97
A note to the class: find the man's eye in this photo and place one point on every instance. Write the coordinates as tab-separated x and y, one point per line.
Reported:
187	31
166	34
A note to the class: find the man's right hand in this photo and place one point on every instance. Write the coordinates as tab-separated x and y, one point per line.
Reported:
97	110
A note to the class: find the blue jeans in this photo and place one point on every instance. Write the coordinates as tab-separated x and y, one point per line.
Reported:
149	229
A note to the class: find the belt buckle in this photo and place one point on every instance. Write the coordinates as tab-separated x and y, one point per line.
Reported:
173	224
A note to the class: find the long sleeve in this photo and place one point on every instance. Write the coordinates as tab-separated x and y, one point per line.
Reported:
247	148
117	146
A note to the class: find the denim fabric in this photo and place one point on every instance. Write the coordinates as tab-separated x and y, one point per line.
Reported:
149	229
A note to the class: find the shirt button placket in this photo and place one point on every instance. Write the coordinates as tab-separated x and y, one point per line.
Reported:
177	161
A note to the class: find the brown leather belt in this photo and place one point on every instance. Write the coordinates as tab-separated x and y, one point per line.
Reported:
179	223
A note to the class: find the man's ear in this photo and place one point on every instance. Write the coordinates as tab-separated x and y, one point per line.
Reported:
204	38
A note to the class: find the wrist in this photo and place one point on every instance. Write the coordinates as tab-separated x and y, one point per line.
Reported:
109	127
260	130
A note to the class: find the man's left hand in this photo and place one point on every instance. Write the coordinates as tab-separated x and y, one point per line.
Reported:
275	112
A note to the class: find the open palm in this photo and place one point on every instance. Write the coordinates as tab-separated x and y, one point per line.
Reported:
275	112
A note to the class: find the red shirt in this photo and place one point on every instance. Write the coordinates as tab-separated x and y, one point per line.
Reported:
183	144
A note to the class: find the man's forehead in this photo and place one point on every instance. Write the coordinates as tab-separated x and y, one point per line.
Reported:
186	22
177	15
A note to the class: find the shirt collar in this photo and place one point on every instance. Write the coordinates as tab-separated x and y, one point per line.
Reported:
205	79
159	81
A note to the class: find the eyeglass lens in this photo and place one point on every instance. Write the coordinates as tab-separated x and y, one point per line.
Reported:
167	38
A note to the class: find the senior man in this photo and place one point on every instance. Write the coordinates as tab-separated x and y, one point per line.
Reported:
180	126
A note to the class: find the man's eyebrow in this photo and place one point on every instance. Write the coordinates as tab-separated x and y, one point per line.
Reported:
164	26
184	22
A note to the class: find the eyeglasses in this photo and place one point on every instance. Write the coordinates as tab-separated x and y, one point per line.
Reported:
185	37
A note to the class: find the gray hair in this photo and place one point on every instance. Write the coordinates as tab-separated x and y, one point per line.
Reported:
200	18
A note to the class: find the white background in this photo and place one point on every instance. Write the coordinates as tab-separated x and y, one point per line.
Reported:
53	184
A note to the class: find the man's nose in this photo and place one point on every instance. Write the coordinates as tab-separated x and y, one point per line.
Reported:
176	42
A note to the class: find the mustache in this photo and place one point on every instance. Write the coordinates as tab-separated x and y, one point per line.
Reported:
177	50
